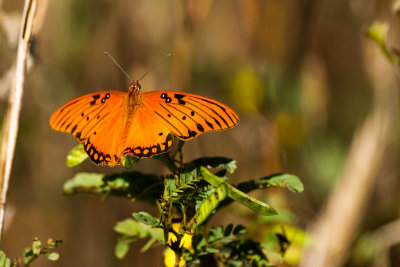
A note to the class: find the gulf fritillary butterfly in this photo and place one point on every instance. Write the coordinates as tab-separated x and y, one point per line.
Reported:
112	124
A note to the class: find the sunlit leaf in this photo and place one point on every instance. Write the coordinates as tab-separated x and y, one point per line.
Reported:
133	185
146	218
129	162
4	261
76	156
217	162
53	256
122	247
36	246
131	228
89	182
209	205
131	231
235	194
378	33
288	181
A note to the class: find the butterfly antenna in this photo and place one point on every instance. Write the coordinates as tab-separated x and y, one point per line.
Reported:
155	65
119	66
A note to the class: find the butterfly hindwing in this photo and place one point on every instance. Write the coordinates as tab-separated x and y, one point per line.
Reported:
188	115
147	135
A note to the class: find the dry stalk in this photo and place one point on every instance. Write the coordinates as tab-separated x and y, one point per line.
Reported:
10	126
336	226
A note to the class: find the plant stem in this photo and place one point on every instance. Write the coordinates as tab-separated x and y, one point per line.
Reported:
10	127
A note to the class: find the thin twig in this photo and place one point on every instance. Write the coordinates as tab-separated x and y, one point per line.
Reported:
10	127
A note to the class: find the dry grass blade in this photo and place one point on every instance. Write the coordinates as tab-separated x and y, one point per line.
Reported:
10	127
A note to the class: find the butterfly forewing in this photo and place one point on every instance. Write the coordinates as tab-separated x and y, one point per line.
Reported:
94	120
188	115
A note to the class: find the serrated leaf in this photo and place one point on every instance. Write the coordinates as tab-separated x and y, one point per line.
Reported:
84	181
185	192
234	193
146	218
53	256
209	205
76	156
217	162
288	181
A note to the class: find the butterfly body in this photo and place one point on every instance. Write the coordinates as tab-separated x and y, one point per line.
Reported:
112	124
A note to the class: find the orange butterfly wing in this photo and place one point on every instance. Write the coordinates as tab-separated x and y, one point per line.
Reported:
147	135
112	124
95	120
189	115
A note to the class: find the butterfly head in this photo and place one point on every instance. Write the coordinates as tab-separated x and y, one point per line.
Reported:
134	87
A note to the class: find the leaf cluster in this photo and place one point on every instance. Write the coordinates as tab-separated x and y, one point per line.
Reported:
186	199
32	253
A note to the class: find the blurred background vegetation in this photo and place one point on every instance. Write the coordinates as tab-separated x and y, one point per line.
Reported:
301	74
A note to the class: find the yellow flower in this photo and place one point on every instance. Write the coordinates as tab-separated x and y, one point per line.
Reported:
170	255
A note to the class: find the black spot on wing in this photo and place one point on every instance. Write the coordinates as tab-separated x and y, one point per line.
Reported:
145	152
73	129
210	124
200	127
178	96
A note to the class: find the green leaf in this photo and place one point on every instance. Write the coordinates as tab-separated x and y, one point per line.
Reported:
212	250
228	229
133	185
236	194
149	244
122	247
378	33
53	256
87	182
129	162
185	192
146	218
288	181
239	230
36	246
209	205
217	162
3	259
132	230
76	156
